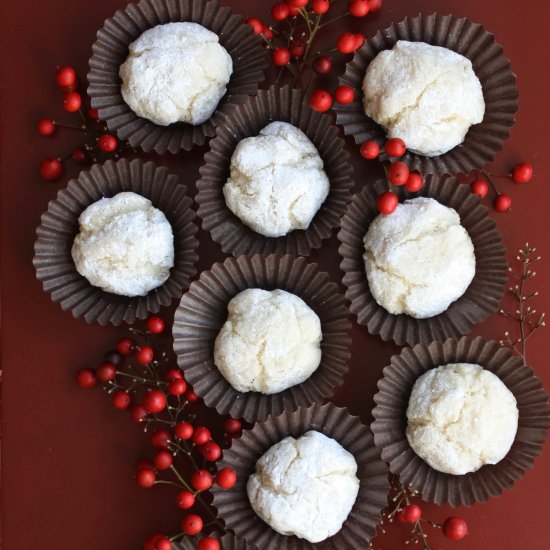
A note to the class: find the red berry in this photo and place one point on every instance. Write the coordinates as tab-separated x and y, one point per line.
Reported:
267	32
201	435
226	478
154	401
374	5
479	188
414	182
211	451
398	173
369	149
502	203
280	56
322	64
174	374
387	202
93	114
155	325
344	94
201	480
291	9
51	169
280	11
146	478
121	400
455	528
65	77
320	100
191	396
177	387
232	426
208	543
150	542
255	23
185	499
191	524
105	372
162	543
395	147
107	143
79	155
46	127
163	460
125	346
160	438
522	172
183	430
72	101
144	355
410	514
297	47
346	42
86	378
299	3
359	8
320	6
359	40
138	413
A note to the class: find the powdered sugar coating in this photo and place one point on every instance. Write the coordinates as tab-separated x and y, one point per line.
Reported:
305	487
426	95
270	341
176	72
125	245
277	182
419	259
461	417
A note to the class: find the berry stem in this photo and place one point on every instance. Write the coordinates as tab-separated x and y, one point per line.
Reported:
83	128
330	21
491	182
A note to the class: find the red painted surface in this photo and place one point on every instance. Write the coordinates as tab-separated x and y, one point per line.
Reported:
68	456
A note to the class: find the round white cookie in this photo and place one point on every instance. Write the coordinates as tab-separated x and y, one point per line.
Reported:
270	341
460	417
176	72
125	245
426	95
305	487
277	182
418	260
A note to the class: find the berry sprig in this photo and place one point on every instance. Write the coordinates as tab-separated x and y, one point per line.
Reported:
98	143
404	508
524	315
291	43
142	379
520	173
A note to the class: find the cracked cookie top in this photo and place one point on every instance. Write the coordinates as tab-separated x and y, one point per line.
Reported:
419	259
270	341
305	487
461	417
176	72
426	95
277	182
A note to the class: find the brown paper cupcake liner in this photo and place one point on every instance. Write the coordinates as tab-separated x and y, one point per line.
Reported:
111	49
491	66
481	298
390	421
203	311
276	104
227	542
359	528
59	226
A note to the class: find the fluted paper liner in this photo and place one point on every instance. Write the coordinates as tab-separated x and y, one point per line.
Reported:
227	542
276	104
203	311
111	49
59	226
390	421
481	298
359	528
490	64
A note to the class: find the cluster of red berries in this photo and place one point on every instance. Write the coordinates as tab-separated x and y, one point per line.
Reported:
97	137
178	436
520	173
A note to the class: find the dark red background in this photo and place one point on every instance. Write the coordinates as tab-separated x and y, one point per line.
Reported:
68	457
